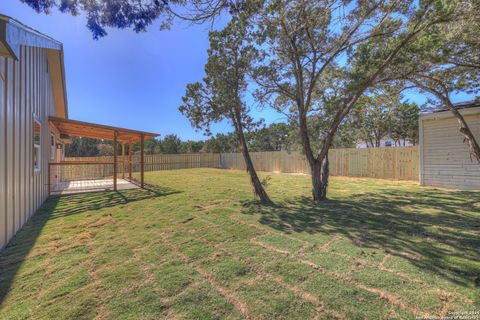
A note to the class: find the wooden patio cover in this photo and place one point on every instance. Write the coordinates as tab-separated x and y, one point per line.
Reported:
98	131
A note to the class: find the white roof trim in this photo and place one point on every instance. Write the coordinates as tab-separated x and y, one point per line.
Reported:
448	113
14	34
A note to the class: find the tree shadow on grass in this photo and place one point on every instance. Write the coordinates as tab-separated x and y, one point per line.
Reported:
15	254
436	230
72	204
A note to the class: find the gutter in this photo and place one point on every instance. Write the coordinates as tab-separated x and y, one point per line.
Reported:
448	113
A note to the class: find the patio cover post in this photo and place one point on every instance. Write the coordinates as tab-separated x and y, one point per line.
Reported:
142	164
130	161
115	133
123	160
49	179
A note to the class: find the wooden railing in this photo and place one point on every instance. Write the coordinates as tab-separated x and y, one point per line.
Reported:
155	162
69	175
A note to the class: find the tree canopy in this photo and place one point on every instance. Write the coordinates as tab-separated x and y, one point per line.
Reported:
136	14
443	61
220	96
316	62
321	57
385	115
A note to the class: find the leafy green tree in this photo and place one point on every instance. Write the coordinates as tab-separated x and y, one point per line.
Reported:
151	146
275	137
378	116
221	143
136	14
191	146
82	147
446	60
105	149
170	144
373	123
404	120
220	95
382	115
306	44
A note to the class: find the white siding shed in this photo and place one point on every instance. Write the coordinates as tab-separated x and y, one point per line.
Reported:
445	160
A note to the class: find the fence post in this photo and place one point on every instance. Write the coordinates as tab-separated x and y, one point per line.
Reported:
115	160
123	160
142	159
49	178
130	161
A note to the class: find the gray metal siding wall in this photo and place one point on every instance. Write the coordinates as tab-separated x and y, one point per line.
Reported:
25	90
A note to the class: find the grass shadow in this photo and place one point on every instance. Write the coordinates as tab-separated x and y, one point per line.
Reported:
16	252
436	230
78	203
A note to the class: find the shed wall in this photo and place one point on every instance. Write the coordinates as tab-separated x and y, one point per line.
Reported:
446	158
25	93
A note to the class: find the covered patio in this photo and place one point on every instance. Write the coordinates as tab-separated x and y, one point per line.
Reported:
66	177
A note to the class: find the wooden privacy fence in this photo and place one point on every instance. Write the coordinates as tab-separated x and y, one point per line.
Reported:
153	162
397	163
270	161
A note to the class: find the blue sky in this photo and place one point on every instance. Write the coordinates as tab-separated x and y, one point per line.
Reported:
131	80
126	79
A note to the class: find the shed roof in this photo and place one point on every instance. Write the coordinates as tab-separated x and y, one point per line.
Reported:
461	105
447	113
98	131
470	106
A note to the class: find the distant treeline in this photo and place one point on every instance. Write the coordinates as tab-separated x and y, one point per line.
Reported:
369	124
272	138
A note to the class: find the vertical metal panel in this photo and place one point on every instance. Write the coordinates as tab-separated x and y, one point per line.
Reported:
45	111
23	155
26	89
31	197
17	145
3	154
35	97
10	146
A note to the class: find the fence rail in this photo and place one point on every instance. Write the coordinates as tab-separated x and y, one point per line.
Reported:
397	163
155	162
79	176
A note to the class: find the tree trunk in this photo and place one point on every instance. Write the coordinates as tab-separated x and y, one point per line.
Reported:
466	132
464	128
258	189
257	185
320	173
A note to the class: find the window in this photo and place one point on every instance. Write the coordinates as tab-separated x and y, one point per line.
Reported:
53	147
37	131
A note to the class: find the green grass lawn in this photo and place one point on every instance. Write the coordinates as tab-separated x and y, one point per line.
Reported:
196	246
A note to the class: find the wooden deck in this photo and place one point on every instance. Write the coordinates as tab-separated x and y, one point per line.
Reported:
80	186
